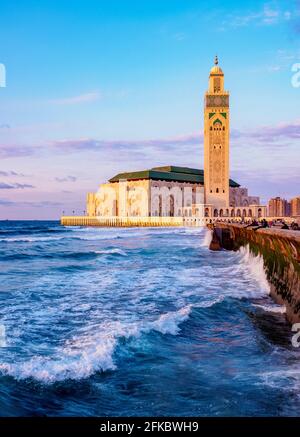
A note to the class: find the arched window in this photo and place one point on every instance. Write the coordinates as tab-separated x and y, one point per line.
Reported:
217	84
238	213
232	213
259	212
221	212
206	212
215	213
217	190
250	212
244	213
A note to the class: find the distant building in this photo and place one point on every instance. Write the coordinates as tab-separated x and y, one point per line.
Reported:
181	191
295	207
278	207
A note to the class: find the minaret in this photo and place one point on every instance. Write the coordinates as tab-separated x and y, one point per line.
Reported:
216	140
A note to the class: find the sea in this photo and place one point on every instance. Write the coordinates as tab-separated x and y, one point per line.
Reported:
138	322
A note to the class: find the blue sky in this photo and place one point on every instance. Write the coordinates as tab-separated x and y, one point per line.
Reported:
96	87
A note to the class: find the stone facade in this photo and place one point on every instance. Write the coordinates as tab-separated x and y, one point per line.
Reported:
238	197
145	198
295	207
279	207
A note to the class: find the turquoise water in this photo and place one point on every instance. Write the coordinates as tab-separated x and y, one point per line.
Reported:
98	321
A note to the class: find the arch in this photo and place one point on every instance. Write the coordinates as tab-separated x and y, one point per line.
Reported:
244	213
206	212
160	205
250	213
227	212
221	213
259	212
232	213
215	213
238	213
172	205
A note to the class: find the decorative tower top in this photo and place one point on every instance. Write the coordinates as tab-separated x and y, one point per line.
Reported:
216	69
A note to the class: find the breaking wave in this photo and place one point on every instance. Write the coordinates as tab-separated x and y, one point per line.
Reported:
255	266
272	308
207	238
83	356
114	251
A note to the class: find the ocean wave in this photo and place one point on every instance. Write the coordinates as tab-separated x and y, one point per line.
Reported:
286	379
114	251
84	356
207	238
272	308
30	239
255	267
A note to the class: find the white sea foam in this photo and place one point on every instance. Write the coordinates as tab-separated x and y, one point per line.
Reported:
207	238
287	379
30	239
169	323
83	356
272	308
114	251
255	267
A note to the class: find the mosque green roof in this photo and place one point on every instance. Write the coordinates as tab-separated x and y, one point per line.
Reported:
168	173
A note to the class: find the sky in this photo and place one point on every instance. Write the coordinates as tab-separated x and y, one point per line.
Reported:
97	87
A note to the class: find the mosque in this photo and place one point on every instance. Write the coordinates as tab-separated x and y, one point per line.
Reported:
172	191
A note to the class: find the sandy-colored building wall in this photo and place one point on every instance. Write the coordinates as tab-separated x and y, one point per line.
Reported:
238	196
170	198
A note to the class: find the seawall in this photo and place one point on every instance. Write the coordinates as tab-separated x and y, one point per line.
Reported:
280	250
121	221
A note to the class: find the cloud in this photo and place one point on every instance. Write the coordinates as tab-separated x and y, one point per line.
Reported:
67	179
93	144
82	98
12	173
15	151
262	136
4	126
6	202
286	131
268	15
179	36
5	186
38	204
